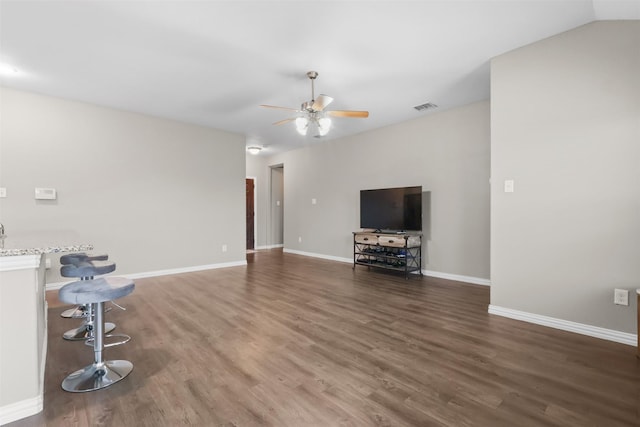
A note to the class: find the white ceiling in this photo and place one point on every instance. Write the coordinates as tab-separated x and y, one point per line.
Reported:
213	62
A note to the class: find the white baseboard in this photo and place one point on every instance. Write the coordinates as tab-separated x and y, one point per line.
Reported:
457	277
566	325
314	255
270	246
58	285
22	409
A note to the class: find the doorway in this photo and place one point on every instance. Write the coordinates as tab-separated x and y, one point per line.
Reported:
250	212
276	213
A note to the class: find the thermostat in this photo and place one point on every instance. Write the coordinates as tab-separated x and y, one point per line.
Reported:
45	193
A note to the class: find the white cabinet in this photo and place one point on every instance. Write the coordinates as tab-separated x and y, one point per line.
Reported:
23	336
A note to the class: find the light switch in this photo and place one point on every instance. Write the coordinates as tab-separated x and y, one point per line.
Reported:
3	192
314	201
508	186
277	202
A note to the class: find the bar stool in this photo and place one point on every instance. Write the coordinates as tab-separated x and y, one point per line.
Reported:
74	258
79	266
101	373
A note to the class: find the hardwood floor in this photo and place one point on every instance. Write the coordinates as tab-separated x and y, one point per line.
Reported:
296	341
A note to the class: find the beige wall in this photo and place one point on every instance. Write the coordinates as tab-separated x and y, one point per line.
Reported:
447	153
565	123
155	194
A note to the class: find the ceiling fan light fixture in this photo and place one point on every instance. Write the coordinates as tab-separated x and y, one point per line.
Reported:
302	124
324	124
254	150
313	113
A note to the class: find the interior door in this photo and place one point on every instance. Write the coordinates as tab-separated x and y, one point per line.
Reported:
250	213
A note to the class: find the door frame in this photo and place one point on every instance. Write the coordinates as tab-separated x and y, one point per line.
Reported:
272	201
255	210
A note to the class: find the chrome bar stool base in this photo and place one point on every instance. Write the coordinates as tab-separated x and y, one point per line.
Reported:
97	376
82	333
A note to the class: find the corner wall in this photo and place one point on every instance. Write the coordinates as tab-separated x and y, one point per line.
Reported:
565	124
154	194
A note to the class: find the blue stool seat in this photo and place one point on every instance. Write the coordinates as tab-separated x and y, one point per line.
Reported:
101	289
75	258
80	311
87	269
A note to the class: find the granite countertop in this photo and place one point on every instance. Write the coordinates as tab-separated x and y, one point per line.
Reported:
41	242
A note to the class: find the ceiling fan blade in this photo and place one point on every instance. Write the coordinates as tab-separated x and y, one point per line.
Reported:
348	113
281	122
279	108
320	103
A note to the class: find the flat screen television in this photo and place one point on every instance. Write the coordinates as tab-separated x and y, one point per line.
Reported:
391	209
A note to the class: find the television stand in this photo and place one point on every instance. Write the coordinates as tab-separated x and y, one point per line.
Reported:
394	251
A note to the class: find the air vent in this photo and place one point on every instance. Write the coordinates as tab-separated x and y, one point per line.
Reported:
427	106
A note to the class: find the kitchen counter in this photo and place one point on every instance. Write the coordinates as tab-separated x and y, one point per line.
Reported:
42	242
23	318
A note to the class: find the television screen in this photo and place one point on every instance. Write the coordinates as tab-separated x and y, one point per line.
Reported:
393	209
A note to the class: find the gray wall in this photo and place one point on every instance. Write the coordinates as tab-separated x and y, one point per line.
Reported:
446	152
565	123
154	194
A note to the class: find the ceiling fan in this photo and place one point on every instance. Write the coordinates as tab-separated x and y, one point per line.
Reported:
313	112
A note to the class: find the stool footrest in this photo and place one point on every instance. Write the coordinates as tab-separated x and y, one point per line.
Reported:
125	339
75	313
83	332
81	312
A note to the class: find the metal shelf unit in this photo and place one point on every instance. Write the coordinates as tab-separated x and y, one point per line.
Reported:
400	252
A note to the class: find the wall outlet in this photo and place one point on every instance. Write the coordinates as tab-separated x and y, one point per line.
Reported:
47	264
509	185
314	201
224	248
621	297
3	192
299	239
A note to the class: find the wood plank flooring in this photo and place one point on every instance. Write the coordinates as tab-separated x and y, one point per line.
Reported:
296	341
